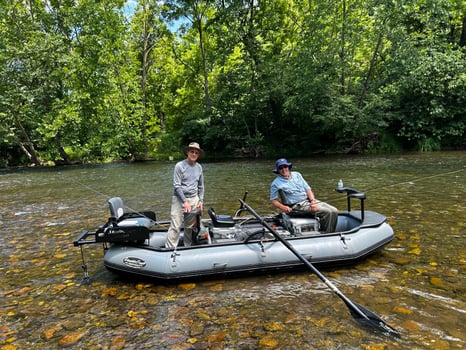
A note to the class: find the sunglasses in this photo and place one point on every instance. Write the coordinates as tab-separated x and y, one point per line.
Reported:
283	167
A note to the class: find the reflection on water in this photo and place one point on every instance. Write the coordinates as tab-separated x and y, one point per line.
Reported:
416	284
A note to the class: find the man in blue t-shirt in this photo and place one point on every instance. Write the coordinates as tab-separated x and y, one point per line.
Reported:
299	196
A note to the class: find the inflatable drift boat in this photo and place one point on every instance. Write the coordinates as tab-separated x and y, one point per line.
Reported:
224	245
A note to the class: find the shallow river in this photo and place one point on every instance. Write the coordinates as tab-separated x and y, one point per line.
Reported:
416	284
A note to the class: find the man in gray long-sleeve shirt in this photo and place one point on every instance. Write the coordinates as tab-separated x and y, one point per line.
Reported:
188	183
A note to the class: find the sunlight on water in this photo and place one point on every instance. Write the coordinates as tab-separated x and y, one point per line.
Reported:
416	284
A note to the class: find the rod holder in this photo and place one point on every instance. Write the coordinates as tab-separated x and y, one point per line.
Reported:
353	193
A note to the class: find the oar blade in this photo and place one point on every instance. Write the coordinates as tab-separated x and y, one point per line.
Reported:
371	320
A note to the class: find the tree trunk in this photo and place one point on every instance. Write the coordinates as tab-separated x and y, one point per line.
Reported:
27	147
146	63
64	156
343	51
371	69
462	42
205	74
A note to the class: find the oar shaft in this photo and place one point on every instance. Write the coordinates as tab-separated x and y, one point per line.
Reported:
305	261
364	316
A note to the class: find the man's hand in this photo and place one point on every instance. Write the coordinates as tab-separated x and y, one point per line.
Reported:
186	207
287	209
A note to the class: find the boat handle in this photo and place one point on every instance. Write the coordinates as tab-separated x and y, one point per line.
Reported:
343	238
220	265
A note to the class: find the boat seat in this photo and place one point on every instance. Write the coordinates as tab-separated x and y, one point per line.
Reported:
220	220
125	219
117	209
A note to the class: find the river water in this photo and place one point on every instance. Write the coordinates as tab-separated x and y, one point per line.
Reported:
416	284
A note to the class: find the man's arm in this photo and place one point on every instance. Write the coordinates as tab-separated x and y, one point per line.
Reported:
312	199
277	204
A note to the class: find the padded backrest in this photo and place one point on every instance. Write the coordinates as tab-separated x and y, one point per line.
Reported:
212	214
220	220
117	209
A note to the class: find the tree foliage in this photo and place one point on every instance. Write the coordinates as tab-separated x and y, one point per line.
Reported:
92	81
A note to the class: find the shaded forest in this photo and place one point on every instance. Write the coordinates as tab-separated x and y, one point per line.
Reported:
96	81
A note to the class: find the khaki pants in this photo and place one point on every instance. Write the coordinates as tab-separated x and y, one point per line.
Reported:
178	219
327	214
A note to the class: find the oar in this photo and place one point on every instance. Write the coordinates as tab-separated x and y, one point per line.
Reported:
364	316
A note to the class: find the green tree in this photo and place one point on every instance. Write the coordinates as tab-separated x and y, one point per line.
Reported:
55	51
85	81
24	90
426	73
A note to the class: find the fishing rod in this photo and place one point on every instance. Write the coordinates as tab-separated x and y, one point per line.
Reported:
417	179
333	199
327	200
142	214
